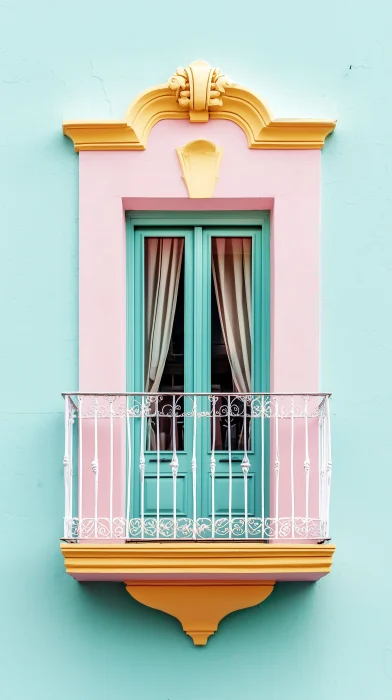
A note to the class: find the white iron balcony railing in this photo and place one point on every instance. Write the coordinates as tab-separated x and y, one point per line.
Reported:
191	466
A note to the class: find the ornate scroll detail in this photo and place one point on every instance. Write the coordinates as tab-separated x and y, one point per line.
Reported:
203	528
199	87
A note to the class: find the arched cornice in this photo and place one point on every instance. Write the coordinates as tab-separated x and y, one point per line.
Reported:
198	93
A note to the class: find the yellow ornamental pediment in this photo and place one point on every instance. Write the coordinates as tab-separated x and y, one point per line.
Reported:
198	93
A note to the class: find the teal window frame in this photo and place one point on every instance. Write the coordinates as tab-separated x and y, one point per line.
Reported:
260	286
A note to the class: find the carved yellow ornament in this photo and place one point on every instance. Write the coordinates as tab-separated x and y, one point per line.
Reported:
199	162
198	93
198	88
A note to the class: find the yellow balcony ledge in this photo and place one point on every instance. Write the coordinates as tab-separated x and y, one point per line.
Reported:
199	583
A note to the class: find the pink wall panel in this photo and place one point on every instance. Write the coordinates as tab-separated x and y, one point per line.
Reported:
286	182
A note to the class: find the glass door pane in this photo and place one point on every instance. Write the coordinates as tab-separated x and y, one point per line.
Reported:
231	337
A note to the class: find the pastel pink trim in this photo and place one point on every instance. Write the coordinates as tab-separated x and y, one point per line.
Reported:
285	182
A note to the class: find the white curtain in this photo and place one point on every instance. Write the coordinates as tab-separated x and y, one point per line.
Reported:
163	258
232	273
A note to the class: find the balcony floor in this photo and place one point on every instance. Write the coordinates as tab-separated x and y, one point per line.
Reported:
196	560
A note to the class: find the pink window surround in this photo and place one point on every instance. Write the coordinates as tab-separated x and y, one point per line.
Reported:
286	182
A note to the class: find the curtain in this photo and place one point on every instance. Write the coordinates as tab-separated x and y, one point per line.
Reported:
232	273
163	258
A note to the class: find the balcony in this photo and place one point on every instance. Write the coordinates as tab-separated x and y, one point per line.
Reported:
214	494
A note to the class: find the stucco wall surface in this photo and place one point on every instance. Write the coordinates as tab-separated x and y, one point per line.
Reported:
331	640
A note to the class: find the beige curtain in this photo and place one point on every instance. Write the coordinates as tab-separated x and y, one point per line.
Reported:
232	273
163	258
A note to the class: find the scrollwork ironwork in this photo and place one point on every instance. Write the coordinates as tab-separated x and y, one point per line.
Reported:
186	528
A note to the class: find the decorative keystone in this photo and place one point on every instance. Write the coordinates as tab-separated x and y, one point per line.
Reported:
199	87
199	161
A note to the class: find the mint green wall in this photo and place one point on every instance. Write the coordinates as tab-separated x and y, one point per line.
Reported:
332	640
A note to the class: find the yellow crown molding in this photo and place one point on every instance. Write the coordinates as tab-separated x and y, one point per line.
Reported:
199	162
197	559
198	93
200	606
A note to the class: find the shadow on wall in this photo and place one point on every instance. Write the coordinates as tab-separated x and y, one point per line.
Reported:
109	607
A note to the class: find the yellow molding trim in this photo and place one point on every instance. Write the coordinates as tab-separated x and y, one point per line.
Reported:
200	606
196	559
198	93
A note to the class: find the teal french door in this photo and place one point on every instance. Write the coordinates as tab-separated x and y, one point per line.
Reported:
196	370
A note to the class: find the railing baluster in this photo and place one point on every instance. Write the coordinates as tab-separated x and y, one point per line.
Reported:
245	465
329	462
321	472
262	468
71	423
67	485
324	472
292	470
174	468
325	515
95	467
213	467
111	468
277	467
142	467
230	467
194	467
307	466
158	439
129	475
80	485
